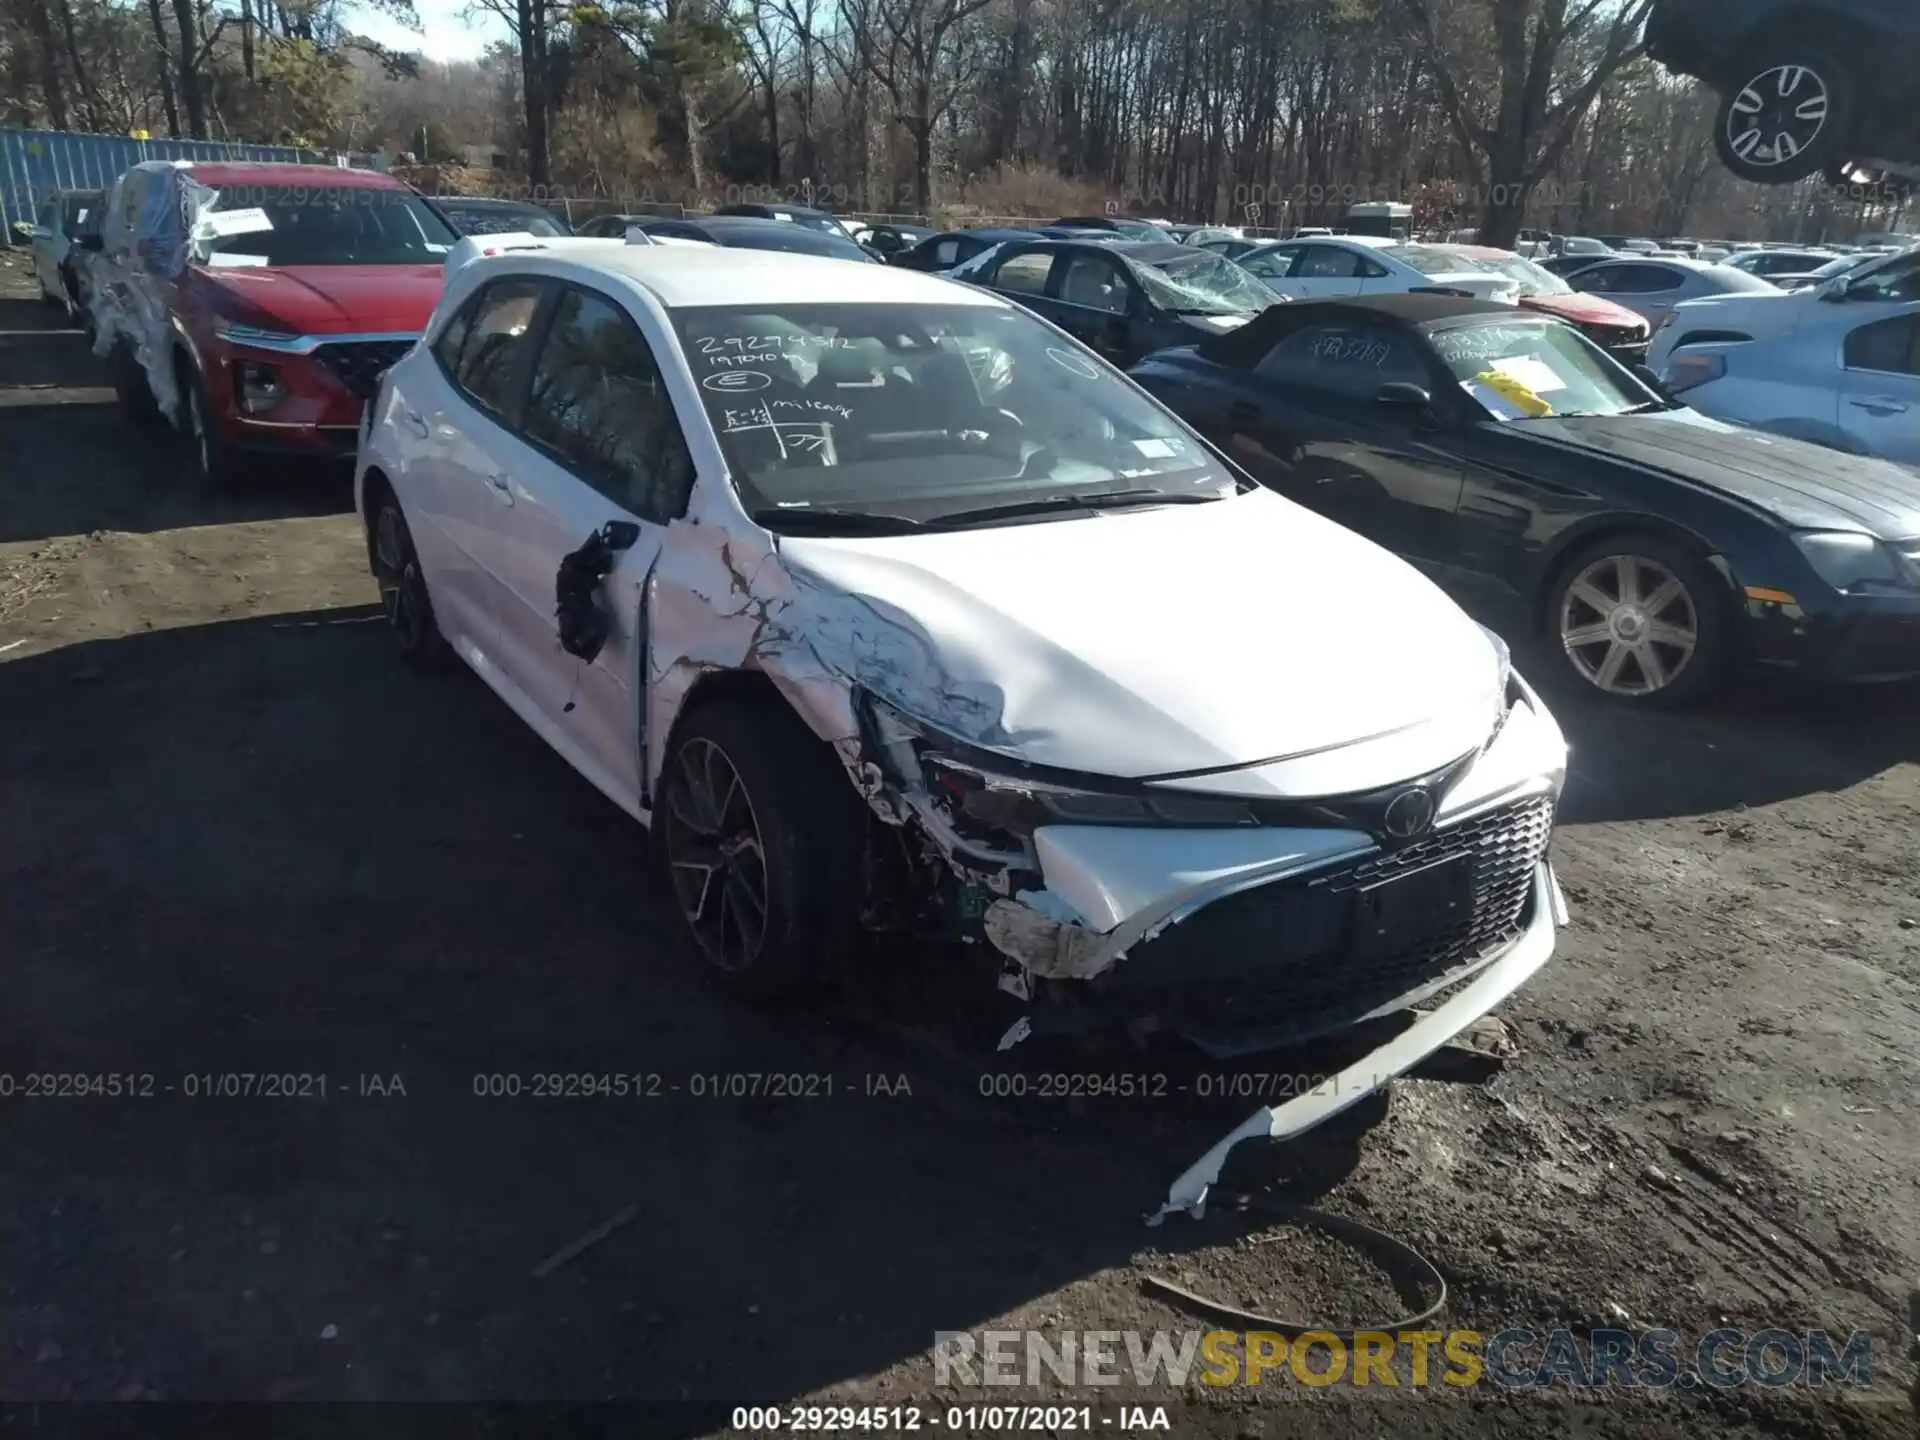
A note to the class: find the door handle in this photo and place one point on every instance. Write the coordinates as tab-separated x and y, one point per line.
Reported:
501	486
416	423
1880	405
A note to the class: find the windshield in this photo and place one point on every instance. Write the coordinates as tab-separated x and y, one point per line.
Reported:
1841	266
1737	281
501	219
323	225
1521	370
1429	261
925	410
1204	282
1533	279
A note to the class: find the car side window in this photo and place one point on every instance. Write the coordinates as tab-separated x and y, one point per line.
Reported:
1094	281
1890	346
1894	283
491	363
947	252
599	406
1025	273
1329	262
447	348
1349	360
1274	264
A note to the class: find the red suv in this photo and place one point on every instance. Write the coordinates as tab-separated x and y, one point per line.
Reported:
256	305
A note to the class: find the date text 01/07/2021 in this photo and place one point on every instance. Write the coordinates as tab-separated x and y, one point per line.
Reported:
198	1085
1270	1088
961	1419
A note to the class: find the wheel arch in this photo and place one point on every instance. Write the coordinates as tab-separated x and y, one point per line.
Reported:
1568	547
371	487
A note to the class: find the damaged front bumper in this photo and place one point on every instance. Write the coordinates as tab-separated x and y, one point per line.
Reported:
1507	972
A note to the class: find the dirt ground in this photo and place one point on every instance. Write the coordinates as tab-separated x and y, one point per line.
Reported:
236	835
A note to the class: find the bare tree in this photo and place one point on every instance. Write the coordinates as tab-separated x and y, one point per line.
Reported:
916	49
1514	131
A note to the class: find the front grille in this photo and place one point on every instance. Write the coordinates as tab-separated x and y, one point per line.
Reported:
1280	958
359	364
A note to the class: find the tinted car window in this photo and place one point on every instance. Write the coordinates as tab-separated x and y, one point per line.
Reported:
598	405
1628	279
1272	264
1025	273
1329	262
489	364
1899	281
1889	345
1346	359
1093	281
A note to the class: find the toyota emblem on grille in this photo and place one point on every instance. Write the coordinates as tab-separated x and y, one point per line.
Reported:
1409	814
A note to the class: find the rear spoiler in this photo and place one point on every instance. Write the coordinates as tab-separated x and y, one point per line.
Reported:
479	247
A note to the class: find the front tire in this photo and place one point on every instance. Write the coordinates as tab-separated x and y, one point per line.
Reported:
403	586
1785	118
762	837
211	460
1641	620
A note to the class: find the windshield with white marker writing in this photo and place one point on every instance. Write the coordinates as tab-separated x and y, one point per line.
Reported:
918	412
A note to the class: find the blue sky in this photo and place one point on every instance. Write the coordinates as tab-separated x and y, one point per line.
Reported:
447	33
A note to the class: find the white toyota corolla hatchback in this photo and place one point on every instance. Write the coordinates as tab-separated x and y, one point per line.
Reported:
888	606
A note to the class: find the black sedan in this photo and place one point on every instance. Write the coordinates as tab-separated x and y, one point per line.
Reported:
752	233
956	247
482	215
1520	465
1121	298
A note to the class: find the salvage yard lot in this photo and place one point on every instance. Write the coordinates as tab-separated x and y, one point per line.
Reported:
236	835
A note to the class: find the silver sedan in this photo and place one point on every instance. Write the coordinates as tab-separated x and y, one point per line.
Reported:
1652	287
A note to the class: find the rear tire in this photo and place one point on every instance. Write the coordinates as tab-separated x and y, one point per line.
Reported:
1640	620
1787	116
762	836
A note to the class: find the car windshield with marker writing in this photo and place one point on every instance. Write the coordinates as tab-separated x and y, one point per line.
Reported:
858	419
1533	369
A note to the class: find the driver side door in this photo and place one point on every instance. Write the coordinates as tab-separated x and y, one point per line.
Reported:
598	441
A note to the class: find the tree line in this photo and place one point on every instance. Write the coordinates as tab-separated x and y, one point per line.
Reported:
1483	114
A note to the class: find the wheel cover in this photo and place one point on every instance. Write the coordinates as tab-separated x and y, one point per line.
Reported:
714	850
1629	625
1777	115
398	574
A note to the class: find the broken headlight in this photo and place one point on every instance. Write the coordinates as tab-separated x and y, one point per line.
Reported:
984	790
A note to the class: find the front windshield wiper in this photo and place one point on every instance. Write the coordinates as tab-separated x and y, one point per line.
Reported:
860	522
1097	500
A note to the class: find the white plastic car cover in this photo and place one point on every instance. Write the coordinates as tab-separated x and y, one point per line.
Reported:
141	251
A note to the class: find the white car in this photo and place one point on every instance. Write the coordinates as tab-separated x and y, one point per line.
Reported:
1337	265
887	605
1652	283
1875	290
61	217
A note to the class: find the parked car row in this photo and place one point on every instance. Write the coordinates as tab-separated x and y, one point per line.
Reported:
996	605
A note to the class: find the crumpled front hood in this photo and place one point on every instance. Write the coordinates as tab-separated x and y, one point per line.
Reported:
334	299
1145	643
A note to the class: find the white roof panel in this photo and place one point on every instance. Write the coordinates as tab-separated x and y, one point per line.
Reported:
680	277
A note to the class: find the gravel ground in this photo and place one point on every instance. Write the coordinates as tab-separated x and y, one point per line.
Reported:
237	836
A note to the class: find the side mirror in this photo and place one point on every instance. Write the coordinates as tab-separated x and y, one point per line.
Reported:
1403	395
